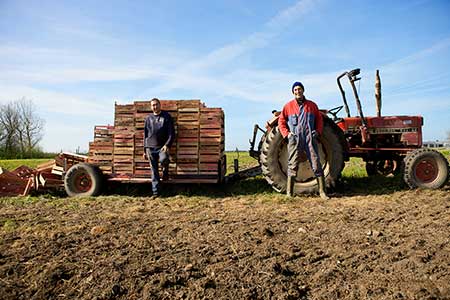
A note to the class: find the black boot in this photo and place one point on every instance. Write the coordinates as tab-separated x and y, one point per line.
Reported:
290	186
322	188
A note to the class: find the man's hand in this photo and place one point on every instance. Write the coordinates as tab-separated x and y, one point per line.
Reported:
289	135
144	155
164	148
315	134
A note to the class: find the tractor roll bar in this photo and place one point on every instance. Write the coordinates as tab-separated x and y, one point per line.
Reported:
352	77
347	110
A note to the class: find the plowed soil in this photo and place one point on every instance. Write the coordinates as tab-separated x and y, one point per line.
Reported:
389	246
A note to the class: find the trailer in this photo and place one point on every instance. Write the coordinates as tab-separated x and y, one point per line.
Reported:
116	153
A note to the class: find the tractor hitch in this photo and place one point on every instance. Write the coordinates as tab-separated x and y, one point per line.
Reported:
255	153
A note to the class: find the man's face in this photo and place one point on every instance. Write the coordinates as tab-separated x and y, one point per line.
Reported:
298	92
156	107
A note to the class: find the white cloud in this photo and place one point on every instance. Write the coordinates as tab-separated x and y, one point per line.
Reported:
67	136
73	75
53	102
419	66
12	51
26	64
69	119
259	39
193	74
260	86
292	14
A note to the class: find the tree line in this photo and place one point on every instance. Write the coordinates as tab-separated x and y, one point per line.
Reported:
21	130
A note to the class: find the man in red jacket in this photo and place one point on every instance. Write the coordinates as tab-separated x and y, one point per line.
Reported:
301	122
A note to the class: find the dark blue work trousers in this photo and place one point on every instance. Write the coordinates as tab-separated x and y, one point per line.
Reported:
156	156
304	138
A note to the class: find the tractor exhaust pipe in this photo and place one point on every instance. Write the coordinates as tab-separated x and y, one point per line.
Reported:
378	92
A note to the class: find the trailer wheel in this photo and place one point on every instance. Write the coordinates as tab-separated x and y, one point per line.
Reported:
383	167
425	168
83	180
274	159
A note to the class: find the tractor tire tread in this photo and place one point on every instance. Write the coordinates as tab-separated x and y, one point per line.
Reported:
96	178
409	169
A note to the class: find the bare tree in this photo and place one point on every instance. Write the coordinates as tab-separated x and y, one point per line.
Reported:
20	128
9	123
31	126
448	136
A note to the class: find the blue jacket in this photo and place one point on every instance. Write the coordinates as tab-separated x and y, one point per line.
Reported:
158	130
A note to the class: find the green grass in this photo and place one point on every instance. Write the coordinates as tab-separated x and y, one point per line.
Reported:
354	181
356	167
245	160
11	164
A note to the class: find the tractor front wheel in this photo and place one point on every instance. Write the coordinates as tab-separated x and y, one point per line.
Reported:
83	180
425	168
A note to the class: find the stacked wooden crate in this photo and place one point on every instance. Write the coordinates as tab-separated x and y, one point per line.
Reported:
197	154
212	141
188	135
141	165
101	149
123	138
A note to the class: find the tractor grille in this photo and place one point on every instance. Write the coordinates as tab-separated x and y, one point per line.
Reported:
392	130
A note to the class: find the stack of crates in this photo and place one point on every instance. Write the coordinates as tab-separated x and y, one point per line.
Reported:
188	133
101	149
212	141
196	155
123	137
141	165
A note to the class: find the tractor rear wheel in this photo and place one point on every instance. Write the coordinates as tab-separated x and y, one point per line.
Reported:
274	158
425	168
83	180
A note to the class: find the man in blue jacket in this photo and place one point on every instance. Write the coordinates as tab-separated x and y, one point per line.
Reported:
159	134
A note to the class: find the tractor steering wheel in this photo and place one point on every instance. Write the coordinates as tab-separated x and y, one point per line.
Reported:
334	112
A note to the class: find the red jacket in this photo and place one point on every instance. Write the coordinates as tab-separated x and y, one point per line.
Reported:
290	119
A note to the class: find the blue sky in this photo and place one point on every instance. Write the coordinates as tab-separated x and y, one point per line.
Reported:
74	59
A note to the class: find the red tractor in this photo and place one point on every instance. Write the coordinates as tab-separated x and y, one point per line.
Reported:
387	144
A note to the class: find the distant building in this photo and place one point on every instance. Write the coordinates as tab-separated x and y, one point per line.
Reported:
436	144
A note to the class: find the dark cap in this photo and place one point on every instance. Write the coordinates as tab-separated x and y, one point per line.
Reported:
298	83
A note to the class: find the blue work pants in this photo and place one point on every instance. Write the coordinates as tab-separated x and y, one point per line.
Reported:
309	144
156	156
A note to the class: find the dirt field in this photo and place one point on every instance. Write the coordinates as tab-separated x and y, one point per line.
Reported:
383	246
